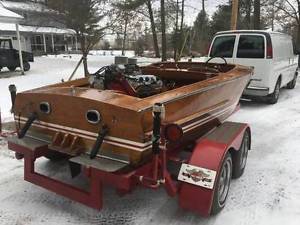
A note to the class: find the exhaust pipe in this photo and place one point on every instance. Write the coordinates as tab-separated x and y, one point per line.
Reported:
27	125
101	135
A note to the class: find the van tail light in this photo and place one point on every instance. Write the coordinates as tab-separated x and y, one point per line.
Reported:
173	132
269	50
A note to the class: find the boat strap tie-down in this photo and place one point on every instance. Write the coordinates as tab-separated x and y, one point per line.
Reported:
27	125
101	135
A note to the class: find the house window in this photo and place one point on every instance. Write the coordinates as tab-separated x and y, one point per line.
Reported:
5	44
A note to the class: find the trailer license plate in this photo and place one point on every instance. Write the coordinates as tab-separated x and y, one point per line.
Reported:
198	176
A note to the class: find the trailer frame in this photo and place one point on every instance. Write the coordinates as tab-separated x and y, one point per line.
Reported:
208	152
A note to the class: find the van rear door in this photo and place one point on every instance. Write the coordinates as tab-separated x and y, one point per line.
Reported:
223	46
252	51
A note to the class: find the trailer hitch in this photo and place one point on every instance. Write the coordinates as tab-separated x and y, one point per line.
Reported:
27	125
101	135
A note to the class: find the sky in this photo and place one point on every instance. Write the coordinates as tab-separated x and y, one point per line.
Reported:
194	7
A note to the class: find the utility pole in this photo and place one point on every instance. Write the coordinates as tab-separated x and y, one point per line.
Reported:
234	14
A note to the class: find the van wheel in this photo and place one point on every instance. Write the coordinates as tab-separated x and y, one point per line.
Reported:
239	157
26	66
273	98
11	68
222	185
292	83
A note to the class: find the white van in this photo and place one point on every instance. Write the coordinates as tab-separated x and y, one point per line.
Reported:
270	53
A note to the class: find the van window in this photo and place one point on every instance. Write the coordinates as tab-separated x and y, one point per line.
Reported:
223	46
251	46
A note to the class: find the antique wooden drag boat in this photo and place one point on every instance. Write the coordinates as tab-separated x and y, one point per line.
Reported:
70	115
117	121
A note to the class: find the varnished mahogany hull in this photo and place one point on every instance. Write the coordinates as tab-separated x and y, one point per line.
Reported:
197	108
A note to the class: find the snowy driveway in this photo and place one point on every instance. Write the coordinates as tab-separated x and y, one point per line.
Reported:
267	194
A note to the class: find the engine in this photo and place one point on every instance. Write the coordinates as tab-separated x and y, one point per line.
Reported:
127	79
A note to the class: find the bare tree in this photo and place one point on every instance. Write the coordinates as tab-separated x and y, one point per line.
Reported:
291	11
163	30
153	28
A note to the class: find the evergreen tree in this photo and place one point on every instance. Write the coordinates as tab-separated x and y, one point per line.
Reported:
202	35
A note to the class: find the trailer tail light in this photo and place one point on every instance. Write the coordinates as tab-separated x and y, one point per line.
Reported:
173	133
269	50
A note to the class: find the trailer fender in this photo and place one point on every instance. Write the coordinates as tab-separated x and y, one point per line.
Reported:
207	157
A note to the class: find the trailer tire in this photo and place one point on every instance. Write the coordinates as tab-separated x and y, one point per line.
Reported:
222	185
239	158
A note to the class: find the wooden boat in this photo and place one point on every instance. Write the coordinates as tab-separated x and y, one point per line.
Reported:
71	116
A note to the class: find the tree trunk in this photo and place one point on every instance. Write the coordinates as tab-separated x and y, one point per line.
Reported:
153	28
181	45
176	31
298	38
256	19
203	5
163	31
85	52
273	17
85	65
125	35
298	33
248	13
182	16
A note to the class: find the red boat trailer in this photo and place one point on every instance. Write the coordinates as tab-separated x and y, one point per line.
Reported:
197	184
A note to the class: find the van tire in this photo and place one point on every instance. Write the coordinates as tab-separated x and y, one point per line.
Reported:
273	98
292	83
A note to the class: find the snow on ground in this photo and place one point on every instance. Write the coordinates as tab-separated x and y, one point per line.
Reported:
268	193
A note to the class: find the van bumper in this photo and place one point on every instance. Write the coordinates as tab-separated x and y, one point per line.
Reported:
256	91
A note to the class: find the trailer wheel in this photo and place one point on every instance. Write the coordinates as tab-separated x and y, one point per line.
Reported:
292	83
222	185
239	157
11	68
